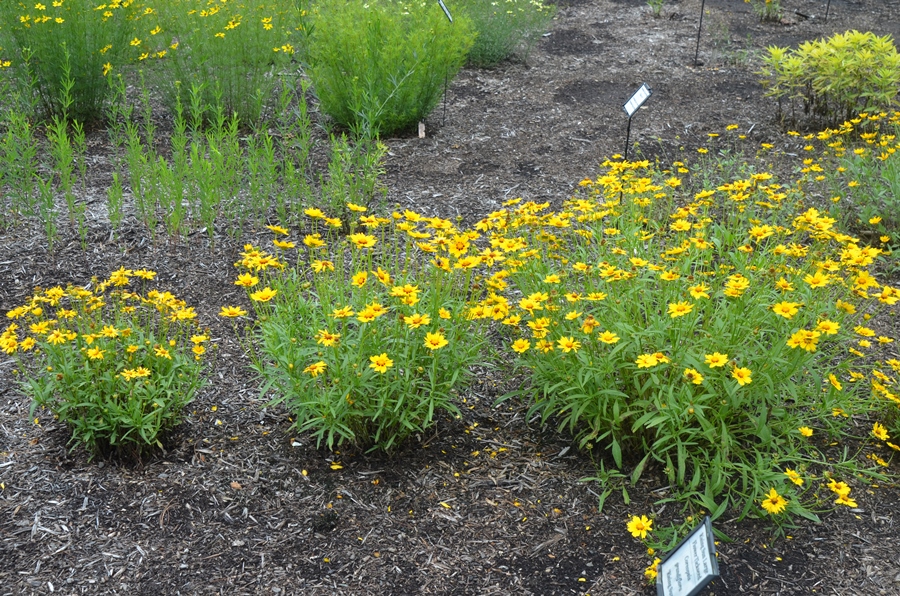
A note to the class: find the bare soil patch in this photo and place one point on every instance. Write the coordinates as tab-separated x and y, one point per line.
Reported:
489	504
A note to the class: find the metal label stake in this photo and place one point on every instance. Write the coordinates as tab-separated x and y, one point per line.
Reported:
631	106
700	28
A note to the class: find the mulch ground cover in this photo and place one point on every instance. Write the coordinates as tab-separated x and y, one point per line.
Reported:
487	504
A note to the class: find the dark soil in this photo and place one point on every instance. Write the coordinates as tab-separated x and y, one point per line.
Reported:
490	504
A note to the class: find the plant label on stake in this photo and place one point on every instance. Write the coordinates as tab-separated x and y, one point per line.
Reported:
691	566
631	106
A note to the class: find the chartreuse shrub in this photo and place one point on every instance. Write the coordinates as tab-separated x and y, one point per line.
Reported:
364	337
505	27
719	333
50	45
381	66
116	363
224	54
833	79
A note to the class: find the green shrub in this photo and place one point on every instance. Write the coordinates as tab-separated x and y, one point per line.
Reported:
362	338
707	333
505	27
230	52
115	365
49	45
834	78
381	66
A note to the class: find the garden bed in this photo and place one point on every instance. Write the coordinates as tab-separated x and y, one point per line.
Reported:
486	504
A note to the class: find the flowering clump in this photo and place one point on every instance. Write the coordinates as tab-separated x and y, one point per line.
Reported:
365	337
59	43
695	325
114	364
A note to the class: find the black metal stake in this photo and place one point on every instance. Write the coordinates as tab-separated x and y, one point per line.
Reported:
627	138
827	6
700	28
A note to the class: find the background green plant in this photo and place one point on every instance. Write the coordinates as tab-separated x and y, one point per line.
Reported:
834	78
224	55
77	349
767	10
380	67
52	45
656	7
505	28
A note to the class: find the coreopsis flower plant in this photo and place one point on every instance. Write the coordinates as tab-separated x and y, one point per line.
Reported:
126	359
362	362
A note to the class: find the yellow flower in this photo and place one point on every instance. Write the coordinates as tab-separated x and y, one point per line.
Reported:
679	309
315	369
786	309
247	280
326	338
828	327
380	363
416	320
278	230
568	344
435	341
652	571
360	279
805	431
232	311
362	240
742	375
835	382
646	361
793	476
845	500
263	295
95	354
805	339
699	291
134	373
693	376
283	244
880	432
319	266
342	313
640	526
608	337
107	68
521	346
716	360
774	503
